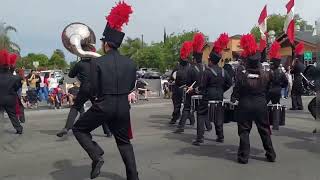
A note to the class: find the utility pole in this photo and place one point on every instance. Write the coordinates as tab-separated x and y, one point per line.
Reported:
142	41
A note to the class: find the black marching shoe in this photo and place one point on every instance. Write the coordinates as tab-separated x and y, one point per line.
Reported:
242	161
62	133
220	140
293	109
19	132
179	131
315	131
198	142
172	122
96	167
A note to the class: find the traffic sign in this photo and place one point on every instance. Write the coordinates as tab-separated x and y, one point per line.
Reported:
36	64
308	56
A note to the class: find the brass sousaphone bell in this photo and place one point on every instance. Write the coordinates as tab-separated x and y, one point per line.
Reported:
76	35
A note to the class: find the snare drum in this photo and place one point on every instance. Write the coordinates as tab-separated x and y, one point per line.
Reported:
229	112
215	111
276	115
195	102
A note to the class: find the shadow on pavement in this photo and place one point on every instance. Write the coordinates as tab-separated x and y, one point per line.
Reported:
306	140
227	152
67	171
49	132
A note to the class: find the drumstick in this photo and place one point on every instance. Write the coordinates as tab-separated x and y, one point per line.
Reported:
191	86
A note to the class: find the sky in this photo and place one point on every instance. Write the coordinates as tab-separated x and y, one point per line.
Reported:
41	22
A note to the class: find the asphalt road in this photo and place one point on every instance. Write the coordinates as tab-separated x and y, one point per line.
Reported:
160	154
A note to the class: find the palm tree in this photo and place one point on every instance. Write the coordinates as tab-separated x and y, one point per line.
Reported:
5	42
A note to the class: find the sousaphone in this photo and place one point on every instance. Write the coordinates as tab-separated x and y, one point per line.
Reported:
78	35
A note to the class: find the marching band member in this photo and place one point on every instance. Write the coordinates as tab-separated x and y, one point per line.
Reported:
81	70
9	85
250	90
215	82
113	79
180	81
297	87
279	80
194	74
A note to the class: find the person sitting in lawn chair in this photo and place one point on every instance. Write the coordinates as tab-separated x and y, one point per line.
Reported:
56	97
141	88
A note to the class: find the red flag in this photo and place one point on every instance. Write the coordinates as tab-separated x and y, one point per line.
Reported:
263	28
263	15
290	32
289	6
289	26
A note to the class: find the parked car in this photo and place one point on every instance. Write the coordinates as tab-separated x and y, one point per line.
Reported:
27	72
57	74
152	75
142	71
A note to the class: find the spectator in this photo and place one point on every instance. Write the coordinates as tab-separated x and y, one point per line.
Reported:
290	80
33	79
53	83
73	92
57	97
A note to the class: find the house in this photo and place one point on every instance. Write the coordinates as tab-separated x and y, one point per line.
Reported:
311	46
231	53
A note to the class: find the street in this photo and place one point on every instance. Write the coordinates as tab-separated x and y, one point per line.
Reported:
161	155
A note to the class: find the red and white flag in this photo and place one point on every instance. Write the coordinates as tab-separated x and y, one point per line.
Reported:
289	24
263	28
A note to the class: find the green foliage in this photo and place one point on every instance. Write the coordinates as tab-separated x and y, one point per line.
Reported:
5	41
156	55
256	33
56	61
28	60
275	22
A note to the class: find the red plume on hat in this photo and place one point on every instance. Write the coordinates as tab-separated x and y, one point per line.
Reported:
4	57
198	42
119	15
221	43
13	59
299	49
249	45
186	50
274	51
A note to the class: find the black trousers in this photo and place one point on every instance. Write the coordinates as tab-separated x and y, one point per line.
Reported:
202	121
274	98
313	108
296	101
10	109
78	106
115	113
245	117
22	117
177	101
186	113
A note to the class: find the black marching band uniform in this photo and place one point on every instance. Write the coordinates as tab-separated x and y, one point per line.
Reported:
194	75
279	79
180	81
81	70
9	85
297	87
250	90
113	79
184	54
215	81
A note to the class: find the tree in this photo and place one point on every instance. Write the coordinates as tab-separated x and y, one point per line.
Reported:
131	46
60	53
275	22
28	60
56	61
5	42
